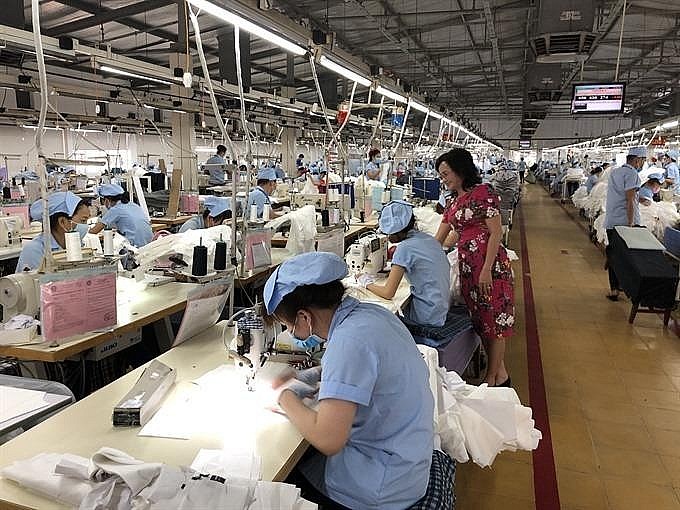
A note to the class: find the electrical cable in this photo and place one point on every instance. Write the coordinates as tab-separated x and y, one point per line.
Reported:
241	95
206	75
42	172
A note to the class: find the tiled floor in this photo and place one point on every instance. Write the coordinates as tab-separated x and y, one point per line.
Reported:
613	390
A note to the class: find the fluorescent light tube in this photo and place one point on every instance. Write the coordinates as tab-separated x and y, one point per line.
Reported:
343	71
120	72
436	115
248	26
670	125
417	106
388	93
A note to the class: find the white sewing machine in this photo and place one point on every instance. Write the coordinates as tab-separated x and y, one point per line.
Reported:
251	343
10	231
297	200
19	294
367	254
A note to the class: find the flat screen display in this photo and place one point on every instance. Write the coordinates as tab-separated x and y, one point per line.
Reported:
525	144
598	98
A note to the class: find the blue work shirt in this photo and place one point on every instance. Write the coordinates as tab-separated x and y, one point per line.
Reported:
621	180
280	174
258	197
32	253
130	221
646	193
372	360
195	223
216	172
672	172
428	272
592	181
372	168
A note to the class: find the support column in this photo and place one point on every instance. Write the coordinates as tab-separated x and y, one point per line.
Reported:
328	82
289	140
183	132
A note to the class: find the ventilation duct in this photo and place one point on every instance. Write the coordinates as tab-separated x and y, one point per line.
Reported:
565	31
545	83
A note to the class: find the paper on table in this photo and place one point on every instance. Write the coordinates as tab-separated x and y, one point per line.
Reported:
173	420
15	402
227	464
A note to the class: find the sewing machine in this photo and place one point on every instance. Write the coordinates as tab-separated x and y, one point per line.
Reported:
252	342
367	254
10	231
19	294
297	200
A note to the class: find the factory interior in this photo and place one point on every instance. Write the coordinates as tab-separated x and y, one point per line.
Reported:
340	254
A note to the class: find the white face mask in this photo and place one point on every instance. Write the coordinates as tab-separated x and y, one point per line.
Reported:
82	229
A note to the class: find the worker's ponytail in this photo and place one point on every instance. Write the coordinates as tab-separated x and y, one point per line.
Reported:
125	197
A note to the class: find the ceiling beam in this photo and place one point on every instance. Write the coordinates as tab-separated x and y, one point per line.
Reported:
472	40
106	16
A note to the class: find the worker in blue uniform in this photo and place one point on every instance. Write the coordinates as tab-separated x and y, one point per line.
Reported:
373	170
259	197
593	178
66	212
127	217
215	211
623	206
671	170
649	188
373	428
216	166
420	257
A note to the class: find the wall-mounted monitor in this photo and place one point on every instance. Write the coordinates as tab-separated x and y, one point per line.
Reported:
525	144
598	98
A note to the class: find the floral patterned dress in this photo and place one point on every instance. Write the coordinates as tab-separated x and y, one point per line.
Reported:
492	316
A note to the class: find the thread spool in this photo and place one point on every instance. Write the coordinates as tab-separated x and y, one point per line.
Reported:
266	212
108	242
220	263
253	212
325	218
385	196
199	265
74	253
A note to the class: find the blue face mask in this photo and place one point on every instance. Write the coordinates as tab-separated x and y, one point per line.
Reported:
82	229
307	344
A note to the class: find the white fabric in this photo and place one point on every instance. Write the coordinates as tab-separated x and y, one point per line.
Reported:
456	295
112	480
477	422
302	229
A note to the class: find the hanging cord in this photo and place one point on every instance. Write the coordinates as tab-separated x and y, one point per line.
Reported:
318	91
42	171
377	124
403	128
422	130
344	123
206	74
618	56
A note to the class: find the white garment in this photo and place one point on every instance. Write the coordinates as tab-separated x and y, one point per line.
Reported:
478	422
113	480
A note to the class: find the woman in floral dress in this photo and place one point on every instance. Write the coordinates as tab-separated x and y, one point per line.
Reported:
485	272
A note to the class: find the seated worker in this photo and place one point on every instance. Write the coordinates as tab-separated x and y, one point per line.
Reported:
671	170
593	178
215	167
127	217
280	174
300	161
649	188
421	258
373	170
215	211
266	184
66	211
372	431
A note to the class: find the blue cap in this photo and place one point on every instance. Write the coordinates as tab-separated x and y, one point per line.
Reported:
268	174
655	176
395	216
219	206
638	152
58	202
110	190
313	268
